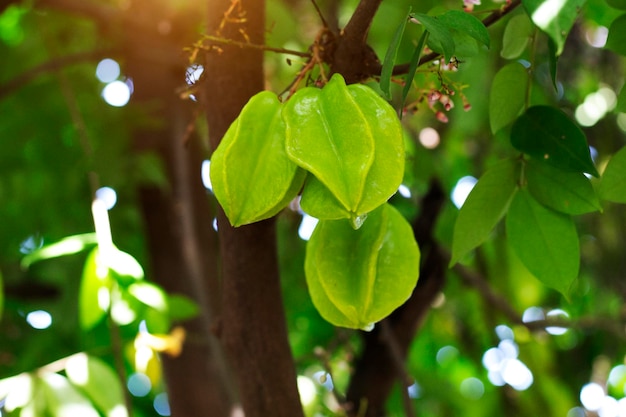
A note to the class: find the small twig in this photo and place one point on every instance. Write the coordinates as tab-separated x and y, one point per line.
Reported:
253	46
319	13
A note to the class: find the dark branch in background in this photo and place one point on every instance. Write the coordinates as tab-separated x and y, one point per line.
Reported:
488	21
50	67
382	362
501	304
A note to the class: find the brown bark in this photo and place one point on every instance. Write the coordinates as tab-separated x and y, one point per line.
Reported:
253	324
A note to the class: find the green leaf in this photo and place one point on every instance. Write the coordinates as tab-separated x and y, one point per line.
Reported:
544	240
617	36
252	177
17	391
554	17
547	133
485	206
617	4
613	183
149	294
567	192
351	140
124	267
467	24
553	60
63	399
508	95
182	307
94	297
415	60
358	277
390	58
516	36
1	296
98	381
66	246
440	34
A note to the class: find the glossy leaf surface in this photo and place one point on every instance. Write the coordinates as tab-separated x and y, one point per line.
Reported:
390	59
563	191
351	140
98	381
507	96
63	399
485	206
617	36
252	177
554	17
546	133
358	277
613	184
544	240
94	295
66	246
440	34
516	36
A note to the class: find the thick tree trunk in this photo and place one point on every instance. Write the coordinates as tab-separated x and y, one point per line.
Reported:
253	325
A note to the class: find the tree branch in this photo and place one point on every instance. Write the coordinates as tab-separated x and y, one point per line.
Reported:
359	24
253	325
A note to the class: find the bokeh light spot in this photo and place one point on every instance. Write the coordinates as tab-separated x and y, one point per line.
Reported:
161	404
307	226
39	319
206	175
472	388
108	70
108	196
462	189
116	93
592	396
429	138
139	384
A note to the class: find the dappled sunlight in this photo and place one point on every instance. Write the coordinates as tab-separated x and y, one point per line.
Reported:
77	368
306	389
596	106
547	12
